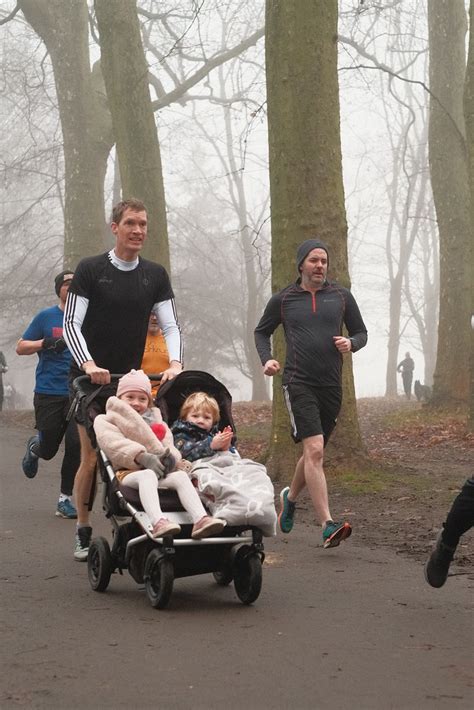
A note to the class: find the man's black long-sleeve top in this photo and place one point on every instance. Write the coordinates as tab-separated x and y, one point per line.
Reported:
310	320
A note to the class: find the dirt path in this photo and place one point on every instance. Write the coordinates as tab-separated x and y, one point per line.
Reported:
420	461
355	626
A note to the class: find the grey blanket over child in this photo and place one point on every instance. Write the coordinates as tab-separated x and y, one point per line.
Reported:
238	490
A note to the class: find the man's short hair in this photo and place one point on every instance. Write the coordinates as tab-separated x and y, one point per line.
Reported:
130	204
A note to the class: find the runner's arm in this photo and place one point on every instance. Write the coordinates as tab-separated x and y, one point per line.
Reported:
74	314
268	323
165	312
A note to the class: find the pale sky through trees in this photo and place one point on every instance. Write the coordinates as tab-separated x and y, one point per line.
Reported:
203	228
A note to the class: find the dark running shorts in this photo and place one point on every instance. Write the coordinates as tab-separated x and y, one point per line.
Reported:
312	410
51	411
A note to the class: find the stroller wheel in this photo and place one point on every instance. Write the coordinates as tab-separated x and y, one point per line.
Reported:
99	564
159	578
225	573
247	574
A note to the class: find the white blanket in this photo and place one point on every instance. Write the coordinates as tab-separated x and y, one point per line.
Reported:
237	490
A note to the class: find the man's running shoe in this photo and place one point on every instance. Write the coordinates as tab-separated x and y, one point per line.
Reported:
83	540
335	533
66	509
437	567
30	460
286	518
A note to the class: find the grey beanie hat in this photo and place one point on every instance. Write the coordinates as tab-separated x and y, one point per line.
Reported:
306	247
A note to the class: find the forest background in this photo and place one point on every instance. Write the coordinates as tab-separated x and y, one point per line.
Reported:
80	78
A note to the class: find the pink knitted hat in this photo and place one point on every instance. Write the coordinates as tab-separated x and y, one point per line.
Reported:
134	381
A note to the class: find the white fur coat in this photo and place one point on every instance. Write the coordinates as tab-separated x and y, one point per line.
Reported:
123	435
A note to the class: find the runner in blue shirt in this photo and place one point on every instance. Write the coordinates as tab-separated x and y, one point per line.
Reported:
51	398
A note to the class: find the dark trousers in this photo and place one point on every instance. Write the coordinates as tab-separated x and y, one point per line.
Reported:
52	424
407	378
461	516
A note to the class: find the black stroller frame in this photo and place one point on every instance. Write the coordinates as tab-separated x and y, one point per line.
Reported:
234	555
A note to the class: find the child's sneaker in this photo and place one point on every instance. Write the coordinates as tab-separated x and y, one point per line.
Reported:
30	460
335	533
165	527
286	517
206	527
66	509
83	540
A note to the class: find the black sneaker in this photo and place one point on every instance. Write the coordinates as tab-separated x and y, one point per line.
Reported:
83	540
437	567
30	460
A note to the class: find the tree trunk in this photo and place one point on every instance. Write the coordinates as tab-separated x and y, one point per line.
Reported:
306	188
469	121
126	80
63	27
449	177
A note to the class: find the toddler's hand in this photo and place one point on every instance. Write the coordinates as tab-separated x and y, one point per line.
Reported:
222	440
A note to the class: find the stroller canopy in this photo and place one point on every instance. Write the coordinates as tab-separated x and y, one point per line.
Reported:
172	394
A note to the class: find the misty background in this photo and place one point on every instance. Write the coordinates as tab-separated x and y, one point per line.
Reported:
214	152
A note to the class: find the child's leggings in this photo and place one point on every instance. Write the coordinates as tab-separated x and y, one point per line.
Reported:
147	484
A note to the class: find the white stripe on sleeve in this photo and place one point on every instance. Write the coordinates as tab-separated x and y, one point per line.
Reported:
74	314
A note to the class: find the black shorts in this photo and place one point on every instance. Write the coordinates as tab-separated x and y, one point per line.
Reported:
313	410
51	411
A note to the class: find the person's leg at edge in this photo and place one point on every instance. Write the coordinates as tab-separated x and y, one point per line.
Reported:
458	521
460	518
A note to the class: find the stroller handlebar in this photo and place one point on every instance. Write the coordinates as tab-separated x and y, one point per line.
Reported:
82	379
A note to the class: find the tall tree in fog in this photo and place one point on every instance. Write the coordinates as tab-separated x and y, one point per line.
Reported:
306	188
469	121
63	27
449	177
126	79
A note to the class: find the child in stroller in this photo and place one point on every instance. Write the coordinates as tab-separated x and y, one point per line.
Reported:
236	554
132	434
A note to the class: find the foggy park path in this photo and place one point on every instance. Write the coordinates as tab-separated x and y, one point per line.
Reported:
356	626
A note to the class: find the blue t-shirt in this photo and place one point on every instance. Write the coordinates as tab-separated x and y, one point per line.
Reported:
53	368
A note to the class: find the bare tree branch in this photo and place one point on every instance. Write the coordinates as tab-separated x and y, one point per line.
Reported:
11	15
177	93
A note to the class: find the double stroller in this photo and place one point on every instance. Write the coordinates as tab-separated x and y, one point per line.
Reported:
236	554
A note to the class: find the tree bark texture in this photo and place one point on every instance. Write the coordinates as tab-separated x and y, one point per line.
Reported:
449	178
469	122
306	188
63	27
126	80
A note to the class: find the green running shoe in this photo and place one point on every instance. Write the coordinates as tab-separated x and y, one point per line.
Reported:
335	533
286	517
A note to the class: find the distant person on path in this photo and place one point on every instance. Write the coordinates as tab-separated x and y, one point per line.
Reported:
312	312
406	367
459	520
155	355
3	369
105	326
44	337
